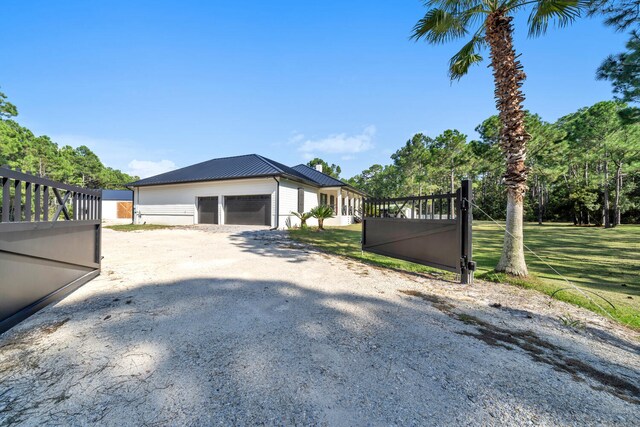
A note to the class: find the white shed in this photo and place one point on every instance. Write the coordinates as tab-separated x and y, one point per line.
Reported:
117	205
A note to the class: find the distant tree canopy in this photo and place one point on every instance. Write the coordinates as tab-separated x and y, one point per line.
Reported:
620	14
7	109
332	170
584	168
622	69
20	148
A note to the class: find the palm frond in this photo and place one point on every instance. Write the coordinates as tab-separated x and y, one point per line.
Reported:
456	7
322	212
563	12
439	26
466	57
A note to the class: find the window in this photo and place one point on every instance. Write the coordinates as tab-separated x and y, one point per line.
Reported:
323	199
300	200
332	202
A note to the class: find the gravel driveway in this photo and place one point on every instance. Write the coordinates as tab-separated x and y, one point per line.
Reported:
228	327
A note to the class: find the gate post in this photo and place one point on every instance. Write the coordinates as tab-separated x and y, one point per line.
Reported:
467	266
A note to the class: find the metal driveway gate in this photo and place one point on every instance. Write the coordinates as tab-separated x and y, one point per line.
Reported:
431	230
49	242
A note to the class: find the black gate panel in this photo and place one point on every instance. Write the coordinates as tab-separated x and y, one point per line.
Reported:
50	236
431	230
207	210
248	210
432	243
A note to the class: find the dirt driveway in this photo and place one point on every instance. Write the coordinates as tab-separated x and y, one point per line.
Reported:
200	327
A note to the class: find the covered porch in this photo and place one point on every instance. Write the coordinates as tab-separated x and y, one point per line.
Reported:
346	204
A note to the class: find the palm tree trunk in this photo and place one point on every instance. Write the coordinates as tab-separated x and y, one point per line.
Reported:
508	77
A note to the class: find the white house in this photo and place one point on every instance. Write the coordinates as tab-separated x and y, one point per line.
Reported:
117	205
249	190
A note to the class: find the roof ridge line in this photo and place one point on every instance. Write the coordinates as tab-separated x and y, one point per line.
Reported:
199	163
267	161
316	170
222	158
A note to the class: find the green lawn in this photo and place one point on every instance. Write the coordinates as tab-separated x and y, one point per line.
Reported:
137	227
605	262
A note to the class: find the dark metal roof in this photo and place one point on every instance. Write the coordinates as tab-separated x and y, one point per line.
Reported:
247	166
117	195
321	178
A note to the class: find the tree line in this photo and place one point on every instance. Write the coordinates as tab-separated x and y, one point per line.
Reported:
488	25
21	149
584	168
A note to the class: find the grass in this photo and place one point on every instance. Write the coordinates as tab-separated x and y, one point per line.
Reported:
137	227
599	261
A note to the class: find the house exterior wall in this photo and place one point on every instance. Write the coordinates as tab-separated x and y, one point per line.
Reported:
338	221
109	209
176	204
289	203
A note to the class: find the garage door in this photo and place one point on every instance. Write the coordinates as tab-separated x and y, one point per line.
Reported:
248	210
208	210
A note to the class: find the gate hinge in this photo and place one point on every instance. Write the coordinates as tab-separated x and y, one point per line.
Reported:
467	265
464	204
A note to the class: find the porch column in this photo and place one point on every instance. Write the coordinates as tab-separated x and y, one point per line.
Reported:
346	202
339	203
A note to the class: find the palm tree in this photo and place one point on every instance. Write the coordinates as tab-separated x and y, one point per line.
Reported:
303	217
489	23
321	213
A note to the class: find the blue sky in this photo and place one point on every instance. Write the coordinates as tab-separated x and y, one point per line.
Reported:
153	85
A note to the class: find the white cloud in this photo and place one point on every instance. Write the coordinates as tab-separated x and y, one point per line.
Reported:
146	168
336	144
296	138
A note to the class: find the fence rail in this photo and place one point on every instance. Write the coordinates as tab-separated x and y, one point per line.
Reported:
50	237
433	206
30	198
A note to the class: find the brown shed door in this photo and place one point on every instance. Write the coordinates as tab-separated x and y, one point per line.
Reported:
124	210
248	210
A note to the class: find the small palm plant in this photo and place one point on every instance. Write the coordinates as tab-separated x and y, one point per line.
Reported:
303	217
321	213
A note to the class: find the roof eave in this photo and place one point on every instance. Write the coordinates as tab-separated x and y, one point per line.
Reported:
192	181
347	186
283	175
